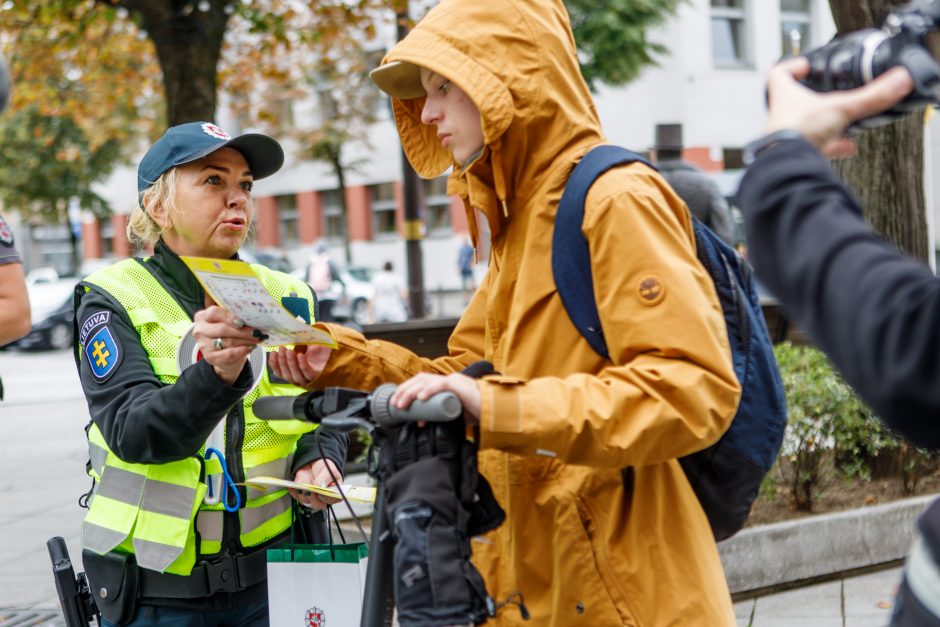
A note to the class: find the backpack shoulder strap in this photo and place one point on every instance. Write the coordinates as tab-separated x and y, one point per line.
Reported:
571	258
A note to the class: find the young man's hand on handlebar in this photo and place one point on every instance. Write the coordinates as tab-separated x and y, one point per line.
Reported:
423	386
301	366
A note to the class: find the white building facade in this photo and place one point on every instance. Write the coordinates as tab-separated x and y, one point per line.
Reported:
711	82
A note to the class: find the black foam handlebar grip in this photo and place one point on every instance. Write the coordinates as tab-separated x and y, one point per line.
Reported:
441	407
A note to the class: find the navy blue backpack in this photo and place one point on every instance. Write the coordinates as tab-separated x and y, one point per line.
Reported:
727	475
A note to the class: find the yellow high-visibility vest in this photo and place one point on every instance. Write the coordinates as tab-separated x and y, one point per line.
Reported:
155	510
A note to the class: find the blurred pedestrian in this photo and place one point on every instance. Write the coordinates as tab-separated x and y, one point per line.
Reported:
874	311
323	277
465	258
698	191
388	304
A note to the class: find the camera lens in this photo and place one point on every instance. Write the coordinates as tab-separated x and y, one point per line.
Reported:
848	62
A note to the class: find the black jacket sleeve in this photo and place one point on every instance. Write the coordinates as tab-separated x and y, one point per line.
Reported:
875	312
142	420
333	443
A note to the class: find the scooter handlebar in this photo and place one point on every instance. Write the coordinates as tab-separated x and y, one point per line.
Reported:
442	407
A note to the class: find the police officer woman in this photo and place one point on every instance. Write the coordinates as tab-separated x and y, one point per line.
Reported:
159	547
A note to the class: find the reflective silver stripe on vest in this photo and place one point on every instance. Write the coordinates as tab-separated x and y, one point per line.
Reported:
121	485
170	499
97	455
154	555
100	539
277	468
209	525
254	517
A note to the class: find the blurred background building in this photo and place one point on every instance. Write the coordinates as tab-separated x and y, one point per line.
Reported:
711	82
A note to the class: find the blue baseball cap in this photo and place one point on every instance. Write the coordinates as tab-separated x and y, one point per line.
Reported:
189	142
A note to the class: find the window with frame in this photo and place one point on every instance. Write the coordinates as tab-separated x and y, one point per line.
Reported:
289	224
436	206
107	237
383	209
332	208
795	21
729	33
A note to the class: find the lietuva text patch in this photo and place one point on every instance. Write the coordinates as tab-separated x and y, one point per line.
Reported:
91	323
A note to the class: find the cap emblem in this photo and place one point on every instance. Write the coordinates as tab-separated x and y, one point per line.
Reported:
211	129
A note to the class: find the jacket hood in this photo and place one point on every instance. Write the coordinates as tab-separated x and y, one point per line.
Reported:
516	60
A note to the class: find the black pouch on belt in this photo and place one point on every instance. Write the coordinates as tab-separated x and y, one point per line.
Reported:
113	580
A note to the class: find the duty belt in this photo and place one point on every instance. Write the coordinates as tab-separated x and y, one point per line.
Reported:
229	573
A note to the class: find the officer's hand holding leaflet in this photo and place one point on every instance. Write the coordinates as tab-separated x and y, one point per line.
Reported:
214	323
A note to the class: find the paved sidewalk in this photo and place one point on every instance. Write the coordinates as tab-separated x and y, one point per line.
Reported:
44	451
862	601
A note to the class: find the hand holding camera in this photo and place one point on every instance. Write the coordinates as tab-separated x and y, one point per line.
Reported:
823	118
865	79
909	38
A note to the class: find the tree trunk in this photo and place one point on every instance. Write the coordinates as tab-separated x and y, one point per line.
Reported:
887	173
188	43
336	160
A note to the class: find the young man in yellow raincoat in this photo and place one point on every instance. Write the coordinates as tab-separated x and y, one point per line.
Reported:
493	88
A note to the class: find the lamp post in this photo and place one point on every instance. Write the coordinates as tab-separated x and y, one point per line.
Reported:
412	201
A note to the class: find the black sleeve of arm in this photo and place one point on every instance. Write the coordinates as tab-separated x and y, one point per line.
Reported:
142	420
334	444
875	312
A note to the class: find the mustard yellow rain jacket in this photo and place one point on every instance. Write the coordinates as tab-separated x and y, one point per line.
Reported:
561	422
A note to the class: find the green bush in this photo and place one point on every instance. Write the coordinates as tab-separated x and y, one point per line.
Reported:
828	422
813	397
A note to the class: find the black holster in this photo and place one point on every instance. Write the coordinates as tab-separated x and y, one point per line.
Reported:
113	579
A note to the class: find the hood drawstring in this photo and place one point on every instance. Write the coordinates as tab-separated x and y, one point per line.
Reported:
457	186
499	176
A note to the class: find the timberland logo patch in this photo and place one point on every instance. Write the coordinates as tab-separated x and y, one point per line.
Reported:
651	291
91	323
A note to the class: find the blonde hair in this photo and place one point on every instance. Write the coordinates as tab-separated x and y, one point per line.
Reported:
142	230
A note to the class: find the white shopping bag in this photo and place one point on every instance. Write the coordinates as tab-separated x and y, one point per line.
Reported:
316	585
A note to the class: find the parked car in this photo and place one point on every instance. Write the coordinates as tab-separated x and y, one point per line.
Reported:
269	257
351	292
53	332
355	297
50	303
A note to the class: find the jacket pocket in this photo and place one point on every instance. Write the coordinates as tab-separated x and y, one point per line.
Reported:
600	561
589	600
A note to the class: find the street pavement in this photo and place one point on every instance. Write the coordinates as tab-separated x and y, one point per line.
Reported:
42	471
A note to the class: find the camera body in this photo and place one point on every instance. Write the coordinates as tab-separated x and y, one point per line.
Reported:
908	38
